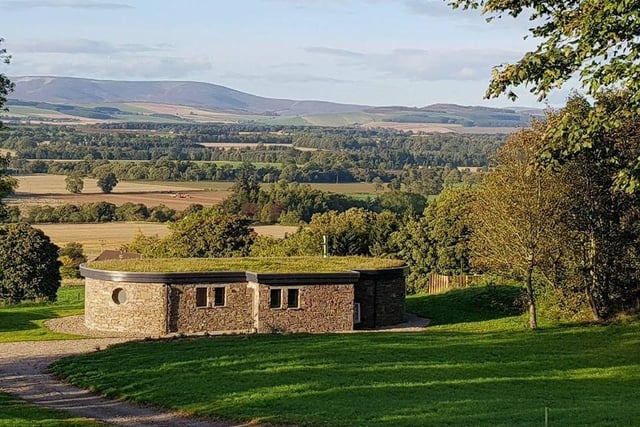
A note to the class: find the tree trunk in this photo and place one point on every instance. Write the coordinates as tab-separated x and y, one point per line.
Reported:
533	316
592	281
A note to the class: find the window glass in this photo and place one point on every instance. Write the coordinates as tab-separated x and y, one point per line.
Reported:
201	297
293	298
218	300
276	298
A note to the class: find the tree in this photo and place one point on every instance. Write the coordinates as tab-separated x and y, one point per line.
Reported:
74	183
209	233
8	185
595	40
516	213
29	266
107	182
71	256
6	86
603	222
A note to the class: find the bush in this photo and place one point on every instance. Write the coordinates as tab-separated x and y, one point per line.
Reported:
71	256
29	266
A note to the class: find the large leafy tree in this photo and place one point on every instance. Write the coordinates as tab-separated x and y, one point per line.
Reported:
604	223
209	233
517	214
29	266
596	41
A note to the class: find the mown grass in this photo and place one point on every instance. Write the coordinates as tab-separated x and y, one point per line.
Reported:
472	369
16	413
261	265
25	322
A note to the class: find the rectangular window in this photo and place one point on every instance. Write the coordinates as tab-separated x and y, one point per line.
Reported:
275	300
218	297
293	298
201	297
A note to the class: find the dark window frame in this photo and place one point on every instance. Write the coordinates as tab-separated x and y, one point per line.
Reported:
199	302
290	293
278	292
216	296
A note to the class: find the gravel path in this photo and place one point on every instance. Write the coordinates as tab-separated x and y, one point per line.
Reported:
24	374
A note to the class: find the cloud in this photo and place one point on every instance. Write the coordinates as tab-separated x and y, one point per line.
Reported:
71	4
74	46
421	64
284	78
126	67
344	53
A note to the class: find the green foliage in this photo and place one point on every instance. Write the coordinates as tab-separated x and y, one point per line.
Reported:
300	243
485	373
438	241
204	233
71	256
29	266
107	181
6	86
25	321
595	40
74	183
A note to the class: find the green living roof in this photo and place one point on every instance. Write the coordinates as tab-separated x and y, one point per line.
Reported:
258	265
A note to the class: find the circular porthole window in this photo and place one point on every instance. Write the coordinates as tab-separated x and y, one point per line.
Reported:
119	296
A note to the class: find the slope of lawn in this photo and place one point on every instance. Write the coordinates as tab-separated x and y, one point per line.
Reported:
16	413
25	322
480	368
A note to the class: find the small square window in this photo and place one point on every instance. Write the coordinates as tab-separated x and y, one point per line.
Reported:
201	297
219	297
275	300
293	298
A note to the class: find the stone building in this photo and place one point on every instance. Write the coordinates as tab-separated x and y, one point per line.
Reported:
158	304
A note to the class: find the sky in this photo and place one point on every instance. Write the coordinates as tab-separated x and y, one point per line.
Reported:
373	52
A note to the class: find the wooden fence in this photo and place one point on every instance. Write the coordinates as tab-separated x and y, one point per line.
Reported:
439	283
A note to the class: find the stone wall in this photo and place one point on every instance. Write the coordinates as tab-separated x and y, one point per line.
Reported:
234	316
322	308
139	308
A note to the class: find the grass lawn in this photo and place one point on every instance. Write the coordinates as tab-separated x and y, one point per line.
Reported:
14	413
476	367
25	322
303	264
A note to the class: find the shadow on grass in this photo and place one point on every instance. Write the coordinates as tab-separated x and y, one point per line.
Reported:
473	304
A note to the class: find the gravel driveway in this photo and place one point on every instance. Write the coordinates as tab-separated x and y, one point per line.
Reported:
24	374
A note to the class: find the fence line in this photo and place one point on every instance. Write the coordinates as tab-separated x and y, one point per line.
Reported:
440	283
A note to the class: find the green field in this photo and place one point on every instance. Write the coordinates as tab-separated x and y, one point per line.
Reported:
482	368
25	322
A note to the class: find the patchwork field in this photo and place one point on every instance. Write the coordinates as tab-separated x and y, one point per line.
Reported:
37	190
112	235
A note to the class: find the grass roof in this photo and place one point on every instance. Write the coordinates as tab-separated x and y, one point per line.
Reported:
259	265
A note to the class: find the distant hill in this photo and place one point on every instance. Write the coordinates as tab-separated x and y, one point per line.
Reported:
69	90
69	99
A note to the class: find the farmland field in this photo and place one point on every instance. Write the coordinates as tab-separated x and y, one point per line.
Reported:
97	237
37	190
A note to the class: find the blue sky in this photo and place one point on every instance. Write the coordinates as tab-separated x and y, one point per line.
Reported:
377	52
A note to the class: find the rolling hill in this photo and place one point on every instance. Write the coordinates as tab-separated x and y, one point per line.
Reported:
78	100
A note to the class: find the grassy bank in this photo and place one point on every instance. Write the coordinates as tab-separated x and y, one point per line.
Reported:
25	322
17	413
279	265
479	369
